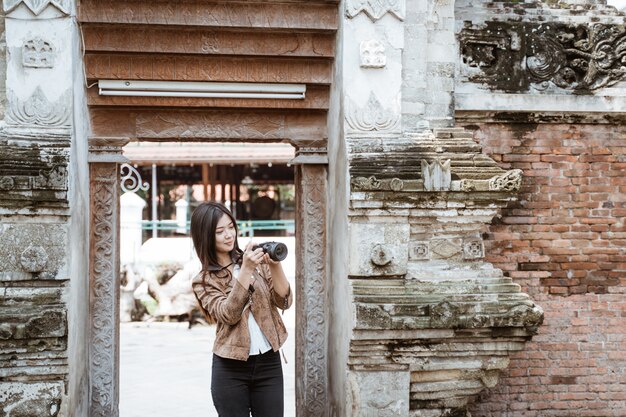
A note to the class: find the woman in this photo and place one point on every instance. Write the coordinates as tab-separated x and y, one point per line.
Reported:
241	291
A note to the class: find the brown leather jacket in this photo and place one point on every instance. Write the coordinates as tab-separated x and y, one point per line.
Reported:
228	302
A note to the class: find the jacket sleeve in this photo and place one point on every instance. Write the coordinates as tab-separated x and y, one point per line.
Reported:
224	307
281	302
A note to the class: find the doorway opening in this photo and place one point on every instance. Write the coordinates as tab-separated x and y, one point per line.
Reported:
165	343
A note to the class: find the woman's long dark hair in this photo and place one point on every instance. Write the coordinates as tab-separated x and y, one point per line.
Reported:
203	224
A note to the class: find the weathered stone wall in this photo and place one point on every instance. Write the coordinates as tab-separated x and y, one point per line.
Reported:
564	241
338	286
429	61
41	215
3	66
431	324
78	302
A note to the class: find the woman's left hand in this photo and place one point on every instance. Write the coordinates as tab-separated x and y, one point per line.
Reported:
268	260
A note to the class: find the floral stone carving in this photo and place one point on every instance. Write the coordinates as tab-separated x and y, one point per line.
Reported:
104	290
311	327
38	110
375	9
372	54
577	58
34	259
544	56
37	6
436	175
37	53
372	118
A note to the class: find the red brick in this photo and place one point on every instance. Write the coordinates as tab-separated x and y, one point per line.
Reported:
594	220
583	336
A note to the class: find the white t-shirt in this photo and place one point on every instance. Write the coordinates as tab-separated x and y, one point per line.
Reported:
258	342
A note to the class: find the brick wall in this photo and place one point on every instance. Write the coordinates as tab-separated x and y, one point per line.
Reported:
564	241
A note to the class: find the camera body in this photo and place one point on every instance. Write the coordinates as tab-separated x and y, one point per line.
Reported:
276	250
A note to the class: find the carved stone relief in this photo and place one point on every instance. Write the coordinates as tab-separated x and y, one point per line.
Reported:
578	58
449	314
372	118
362	183
38	111
380	393
544	56
396	184
311	327
33	251
34	259
418	251
481	49
104	284
213	125
473	248
38	53
381	255
445	248
378	249
375	9
509	181
437	175
37	6
372	54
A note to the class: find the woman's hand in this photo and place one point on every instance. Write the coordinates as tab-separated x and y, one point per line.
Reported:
268	260
251	259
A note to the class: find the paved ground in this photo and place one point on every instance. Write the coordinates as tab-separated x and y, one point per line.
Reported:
165	369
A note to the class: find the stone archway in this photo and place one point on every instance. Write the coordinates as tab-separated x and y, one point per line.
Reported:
104	289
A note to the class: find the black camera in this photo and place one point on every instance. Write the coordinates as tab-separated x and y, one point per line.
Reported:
276	250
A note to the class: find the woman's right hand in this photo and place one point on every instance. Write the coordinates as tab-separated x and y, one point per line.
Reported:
251	258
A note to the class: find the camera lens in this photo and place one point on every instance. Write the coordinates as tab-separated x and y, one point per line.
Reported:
276	250
280	251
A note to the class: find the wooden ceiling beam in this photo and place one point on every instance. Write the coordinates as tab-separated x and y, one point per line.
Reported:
202	41
298	128
207	68
290	16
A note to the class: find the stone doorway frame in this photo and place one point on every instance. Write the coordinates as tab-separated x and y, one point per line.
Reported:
105	158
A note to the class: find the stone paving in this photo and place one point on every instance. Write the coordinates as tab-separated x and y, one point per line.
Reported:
165	369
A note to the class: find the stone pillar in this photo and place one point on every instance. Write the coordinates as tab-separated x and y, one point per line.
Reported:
38	211
105	155
3	66
373	41
311	284
428	65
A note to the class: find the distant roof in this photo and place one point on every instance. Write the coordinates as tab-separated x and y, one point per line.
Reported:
186	153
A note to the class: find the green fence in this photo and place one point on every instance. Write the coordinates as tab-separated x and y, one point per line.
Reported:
246	227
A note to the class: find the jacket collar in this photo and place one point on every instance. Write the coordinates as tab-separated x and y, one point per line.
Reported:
235	258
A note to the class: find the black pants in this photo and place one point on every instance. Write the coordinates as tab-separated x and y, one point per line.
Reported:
253	386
